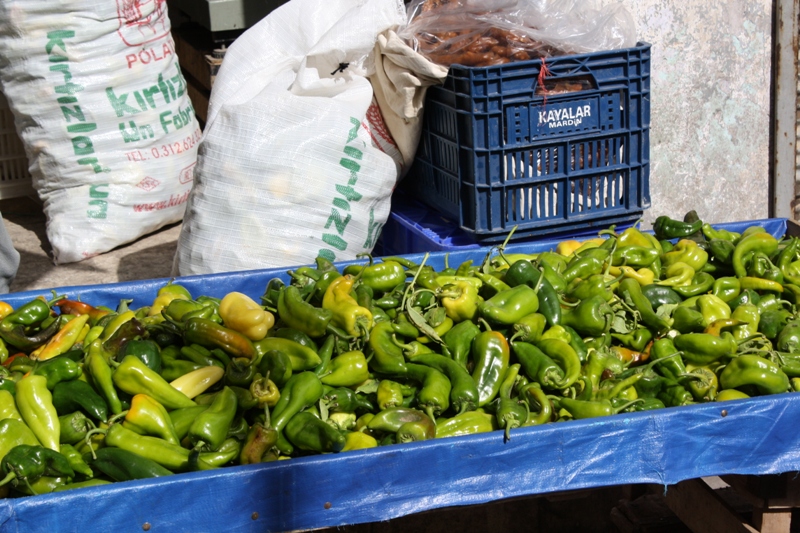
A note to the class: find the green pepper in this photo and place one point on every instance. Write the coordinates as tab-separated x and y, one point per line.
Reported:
665	227
713	308
636	339
227	452
633	255
201	355
750	317
788	263
704	348
57	369
659	295
772	321
583	267
687	319
171	366
240	372
8	406
592	317
755	242
301	315
35	404
509	306
277	365
297	336
464	391
565	356
168	455
76	461
145	349
148	417
523	272
753	370
630	290
704	384
466	423
529	328
492	284
701	283
434	394
538	366
122	465
380	277
685	251
387	357
712	233
209	429
762	267
13	433
307	432
347	370
390	420
14	326
70	396
490	353
25	464
664	350
721	251
301	357
261	437
73	427
302	390
134	377
460	300
459	341
344	400
182	419
389	394
596	284
582	409
510	412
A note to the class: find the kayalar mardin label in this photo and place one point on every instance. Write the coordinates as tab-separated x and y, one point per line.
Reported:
337	221
161	94
567	116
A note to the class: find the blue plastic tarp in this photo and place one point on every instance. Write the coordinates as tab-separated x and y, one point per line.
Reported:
752	436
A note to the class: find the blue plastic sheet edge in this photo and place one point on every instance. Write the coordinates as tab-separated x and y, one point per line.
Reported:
753	436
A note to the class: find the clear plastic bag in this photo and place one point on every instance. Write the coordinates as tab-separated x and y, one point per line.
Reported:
482	33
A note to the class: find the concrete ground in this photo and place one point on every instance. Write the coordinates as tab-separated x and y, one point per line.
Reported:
147	258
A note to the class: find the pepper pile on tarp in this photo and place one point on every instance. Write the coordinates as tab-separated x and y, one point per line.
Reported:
393	351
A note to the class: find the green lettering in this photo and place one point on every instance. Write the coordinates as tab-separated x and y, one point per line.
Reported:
82	145
353	133
75	111
118	103
82	127
57	39
335	241
349	193
355	153
95	192
336	220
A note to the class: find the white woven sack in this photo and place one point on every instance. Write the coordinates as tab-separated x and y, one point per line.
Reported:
295	159
101	106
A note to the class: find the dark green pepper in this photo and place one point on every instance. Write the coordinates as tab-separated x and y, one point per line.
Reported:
523	272
659	295
464	391
57	369
665	227
25	464
122	465
459	341
309	433
591	317
70	396
302	390
145	349
209	430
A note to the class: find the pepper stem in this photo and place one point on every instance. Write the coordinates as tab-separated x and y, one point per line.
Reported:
366	254
10	477
485	324
413	281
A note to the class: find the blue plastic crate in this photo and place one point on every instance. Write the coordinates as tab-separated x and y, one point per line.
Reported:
497	152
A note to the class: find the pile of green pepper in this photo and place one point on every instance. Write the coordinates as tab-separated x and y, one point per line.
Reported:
393	351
